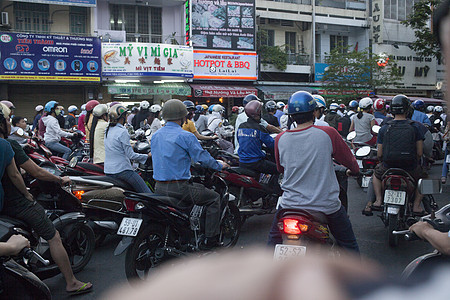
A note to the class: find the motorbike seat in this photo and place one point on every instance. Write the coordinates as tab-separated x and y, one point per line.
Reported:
315	215
118	183
159	200
397	171
91	167
15	222
245	171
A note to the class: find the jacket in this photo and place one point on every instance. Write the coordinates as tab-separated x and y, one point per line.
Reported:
53	132
251	135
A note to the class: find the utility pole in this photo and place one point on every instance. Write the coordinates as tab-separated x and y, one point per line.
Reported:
313	33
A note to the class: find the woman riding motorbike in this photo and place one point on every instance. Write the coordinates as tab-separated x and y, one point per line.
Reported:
362	123
153	119
97	141
89	116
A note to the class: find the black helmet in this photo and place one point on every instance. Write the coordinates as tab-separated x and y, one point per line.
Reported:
400	104
249	98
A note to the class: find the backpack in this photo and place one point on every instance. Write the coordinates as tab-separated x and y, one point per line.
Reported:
332	118
399	144
343	125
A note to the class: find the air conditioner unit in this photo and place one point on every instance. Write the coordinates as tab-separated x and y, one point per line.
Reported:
5	19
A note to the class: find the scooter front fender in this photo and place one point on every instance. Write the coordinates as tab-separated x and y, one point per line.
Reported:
123	245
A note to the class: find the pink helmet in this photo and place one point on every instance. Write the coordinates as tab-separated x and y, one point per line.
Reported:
91	104
8	104
379	104
253	109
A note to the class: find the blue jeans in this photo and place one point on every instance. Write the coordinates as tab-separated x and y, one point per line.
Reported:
339	225
58	148
133	179
445	165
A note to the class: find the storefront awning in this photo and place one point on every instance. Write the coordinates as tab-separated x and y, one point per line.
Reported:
281	92
179	89
225	91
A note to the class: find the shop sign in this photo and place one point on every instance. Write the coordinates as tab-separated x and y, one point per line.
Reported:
225	65
49	57
415	71
217	91
182	90
319	71
145	59
224	24
377	21
90	3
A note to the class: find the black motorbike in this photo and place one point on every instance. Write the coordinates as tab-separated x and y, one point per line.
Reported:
155	232
17	281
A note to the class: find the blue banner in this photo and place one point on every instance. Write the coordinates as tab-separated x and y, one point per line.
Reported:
319	69
49	57
91	3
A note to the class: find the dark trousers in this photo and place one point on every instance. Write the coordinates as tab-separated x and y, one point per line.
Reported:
188	194
262	166
339	225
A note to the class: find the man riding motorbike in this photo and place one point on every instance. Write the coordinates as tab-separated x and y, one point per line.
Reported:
401	150
318	111
189	124
139	119
200	120
418	114
71	119
352	108
271	108
173	149
118	151
303	186
332	117
22	206
53	131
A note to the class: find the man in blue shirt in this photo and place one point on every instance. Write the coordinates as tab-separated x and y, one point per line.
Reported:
173	149
419	115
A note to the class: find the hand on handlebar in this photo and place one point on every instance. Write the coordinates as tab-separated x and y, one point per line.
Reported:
214	137
224	164
349	173
420	227
65	181
17	243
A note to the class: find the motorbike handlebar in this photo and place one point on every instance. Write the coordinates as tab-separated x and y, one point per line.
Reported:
409	235
28	253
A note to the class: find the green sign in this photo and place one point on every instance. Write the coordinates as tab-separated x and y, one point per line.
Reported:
153	89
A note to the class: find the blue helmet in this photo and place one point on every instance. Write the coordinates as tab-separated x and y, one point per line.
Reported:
50	105
353	104
301	102
419	105
210	108
189	104
320	101
199	109
249	98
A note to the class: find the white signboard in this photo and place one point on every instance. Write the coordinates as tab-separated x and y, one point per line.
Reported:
416	72
225	65
145	59
377	21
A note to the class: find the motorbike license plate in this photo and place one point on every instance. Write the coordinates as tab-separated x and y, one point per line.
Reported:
394	197
129	226
365	181
447	159
283	252
360	164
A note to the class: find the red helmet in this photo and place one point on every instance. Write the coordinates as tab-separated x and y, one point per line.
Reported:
253	109
235	109
342	105
379	104
91	104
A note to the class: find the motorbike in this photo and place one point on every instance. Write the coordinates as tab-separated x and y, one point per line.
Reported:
154	233
26	284
65	211
438	140
367	161
398	189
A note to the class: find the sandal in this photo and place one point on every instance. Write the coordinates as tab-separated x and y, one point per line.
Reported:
443	179
377	208
367	211
419	214
82	290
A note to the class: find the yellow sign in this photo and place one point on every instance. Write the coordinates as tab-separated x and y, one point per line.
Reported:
52	78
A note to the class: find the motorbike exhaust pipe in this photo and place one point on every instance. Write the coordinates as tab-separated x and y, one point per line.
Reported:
110	225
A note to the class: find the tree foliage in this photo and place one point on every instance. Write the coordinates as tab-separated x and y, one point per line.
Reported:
275	55
426	43
355	72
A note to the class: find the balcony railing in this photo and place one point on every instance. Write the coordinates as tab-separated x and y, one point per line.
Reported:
306	2
298	59
344	4
155	38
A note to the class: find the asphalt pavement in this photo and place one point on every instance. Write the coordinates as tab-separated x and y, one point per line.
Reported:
106	271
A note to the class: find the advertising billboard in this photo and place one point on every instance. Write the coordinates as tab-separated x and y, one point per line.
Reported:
225	24
146	59
90	3
49	57
225	65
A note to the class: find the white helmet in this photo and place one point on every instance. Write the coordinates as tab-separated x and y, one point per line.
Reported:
100	110
83	107
39	108
320	101
241	109
155	108
430	108
365	102
334	106
72	108
280	104
144	105
218	108
438	109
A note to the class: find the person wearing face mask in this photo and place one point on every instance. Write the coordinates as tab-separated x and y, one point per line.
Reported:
53	131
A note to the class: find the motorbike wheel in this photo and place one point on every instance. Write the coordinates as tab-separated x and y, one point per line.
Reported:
141	255
392	225
230	228
80	250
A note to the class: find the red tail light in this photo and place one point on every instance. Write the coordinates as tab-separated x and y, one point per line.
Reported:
130	204
396	183
369	164
294	226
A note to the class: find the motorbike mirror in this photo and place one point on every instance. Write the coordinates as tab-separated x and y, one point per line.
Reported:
20	131
429	186
437	121
376	128
351	136
364	151
73	162
148	132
